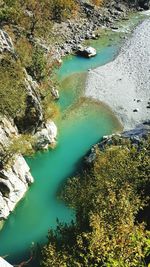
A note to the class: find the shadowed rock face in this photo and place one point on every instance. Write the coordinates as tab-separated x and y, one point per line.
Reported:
4	188
144	4
33	116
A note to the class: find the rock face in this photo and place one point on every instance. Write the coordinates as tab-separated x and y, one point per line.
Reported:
144	4
5	42
4	263
33	117
14	179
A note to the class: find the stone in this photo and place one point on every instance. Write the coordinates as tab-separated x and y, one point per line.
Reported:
46	136
55	93
135	110
87	51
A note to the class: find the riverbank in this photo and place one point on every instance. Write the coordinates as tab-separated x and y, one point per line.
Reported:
124	83
85	25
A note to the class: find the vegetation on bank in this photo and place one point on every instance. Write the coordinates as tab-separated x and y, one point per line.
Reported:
25	21
110	199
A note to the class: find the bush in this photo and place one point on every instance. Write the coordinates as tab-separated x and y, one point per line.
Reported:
12	88
107	200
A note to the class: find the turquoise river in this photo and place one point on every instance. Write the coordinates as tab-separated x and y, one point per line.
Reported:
83	122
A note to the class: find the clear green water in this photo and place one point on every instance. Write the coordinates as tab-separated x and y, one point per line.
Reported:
81	64
83	123
86	123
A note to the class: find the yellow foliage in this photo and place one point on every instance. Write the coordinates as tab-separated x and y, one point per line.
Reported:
97	2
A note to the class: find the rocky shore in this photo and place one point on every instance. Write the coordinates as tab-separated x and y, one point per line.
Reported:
74	31
135	136
124	83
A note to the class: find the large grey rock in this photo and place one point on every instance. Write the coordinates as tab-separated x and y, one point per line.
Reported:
14	178
4	263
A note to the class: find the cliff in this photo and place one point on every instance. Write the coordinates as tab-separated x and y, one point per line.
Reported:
14	177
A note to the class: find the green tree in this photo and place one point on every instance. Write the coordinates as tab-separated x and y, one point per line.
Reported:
107	199
12	88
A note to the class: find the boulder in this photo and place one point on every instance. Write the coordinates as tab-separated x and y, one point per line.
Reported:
87	51
46	136
14	178
55	93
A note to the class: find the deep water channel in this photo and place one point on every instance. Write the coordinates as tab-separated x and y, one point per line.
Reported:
83	122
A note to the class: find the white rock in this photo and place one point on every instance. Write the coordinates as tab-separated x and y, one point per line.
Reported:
15	179
5	42
4	263
46	136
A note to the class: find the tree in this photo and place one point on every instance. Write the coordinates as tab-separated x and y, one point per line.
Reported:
107	199
12	88
62	9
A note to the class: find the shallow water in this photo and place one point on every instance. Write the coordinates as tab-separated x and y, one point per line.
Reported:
82	124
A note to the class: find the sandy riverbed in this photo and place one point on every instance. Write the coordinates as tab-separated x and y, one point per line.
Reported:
124	84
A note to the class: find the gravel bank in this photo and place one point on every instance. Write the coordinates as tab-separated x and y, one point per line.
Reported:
124	84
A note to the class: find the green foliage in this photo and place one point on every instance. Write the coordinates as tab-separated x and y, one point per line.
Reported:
37	69
62	9
107	200
22	144
12	88
35	16
24	51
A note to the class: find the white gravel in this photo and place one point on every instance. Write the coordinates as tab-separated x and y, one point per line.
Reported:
124	84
